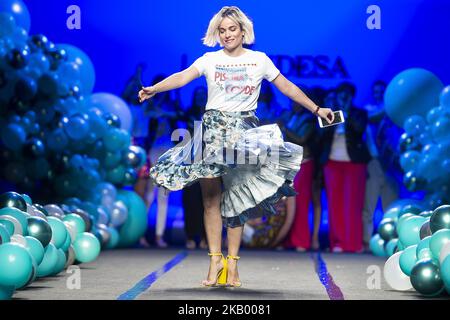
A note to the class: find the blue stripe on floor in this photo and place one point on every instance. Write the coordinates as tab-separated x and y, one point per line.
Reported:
147	282
333	291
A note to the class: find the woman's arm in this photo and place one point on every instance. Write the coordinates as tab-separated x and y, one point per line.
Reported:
294	93
174	81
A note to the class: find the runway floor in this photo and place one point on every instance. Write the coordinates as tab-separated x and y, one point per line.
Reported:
171	274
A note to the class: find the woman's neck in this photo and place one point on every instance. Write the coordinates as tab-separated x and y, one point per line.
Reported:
236	52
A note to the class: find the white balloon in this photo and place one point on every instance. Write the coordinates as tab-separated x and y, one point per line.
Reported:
17	226
32	211
445	251
19	239
72	231
54	210
394	276
70	257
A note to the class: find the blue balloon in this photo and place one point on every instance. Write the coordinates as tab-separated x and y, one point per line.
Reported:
441	129
109	103
434	114
13	136
76	127
444	98
409	160
86	68
57	140
20	37
18	10
414	125
7	24
411	92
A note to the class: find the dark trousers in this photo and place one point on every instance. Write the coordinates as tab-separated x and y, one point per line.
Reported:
193	211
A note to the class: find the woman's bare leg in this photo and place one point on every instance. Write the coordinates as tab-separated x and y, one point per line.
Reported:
211	193
234	236
317	209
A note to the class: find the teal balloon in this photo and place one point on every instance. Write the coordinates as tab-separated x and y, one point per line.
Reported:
409	230
411	92
15	265
87	247
424	243
40	229
400	246
136	224
440	219
391	246
392	214
387	229
116	139
426	214
27	198
116	175
67	242
112	159
408	259
60	263
6	292
8	224
425	253
5	235
410	208
48	264
445	273
426	278
35	248
401	219
76	221
59	231
114	238
438	240
376	245
19	215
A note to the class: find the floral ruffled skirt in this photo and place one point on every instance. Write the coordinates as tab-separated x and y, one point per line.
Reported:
256	166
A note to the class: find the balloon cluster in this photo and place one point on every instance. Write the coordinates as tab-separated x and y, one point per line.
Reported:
44	240
56	137
417	101
417	243
39	241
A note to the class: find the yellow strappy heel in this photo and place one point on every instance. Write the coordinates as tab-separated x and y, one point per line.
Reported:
221	279
237	283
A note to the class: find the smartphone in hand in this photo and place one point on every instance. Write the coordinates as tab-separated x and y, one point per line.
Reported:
338	118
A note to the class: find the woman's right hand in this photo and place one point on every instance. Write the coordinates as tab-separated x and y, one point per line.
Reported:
146	93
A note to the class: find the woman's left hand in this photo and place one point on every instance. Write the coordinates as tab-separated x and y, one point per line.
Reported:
327	114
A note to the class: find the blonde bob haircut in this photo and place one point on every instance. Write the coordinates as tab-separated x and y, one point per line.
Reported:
234	13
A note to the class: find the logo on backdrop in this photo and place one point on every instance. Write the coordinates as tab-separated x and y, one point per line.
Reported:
310	67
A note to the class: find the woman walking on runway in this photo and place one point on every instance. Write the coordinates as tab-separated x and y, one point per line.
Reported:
262	166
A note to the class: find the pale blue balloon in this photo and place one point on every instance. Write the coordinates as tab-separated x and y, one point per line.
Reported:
408	259
411	92
376	245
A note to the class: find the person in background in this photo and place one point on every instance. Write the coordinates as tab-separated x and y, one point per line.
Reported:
300	127
268	108
140	137
164	112
345	157
192	195
380	183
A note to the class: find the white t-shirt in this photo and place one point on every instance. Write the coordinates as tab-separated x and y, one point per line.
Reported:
234	82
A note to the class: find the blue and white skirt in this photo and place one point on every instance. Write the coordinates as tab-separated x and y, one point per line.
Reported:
256	166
